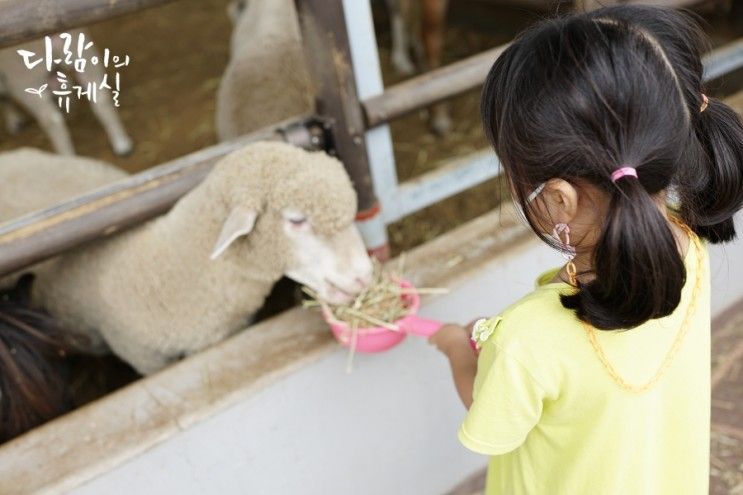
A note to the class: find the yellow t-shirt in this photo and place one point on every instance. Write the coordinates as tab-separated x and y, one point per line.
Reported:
555	422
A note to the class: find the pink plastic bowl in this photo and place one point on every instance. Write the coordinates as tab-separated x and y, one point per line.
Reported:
378	339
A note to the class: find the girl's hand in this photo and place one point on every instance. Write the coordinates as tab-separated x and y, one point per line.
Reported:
451	337
454	342
448	334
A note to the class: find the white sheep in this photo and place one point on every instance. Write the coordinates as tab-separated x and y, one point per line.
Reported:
266	79
191	277
15	78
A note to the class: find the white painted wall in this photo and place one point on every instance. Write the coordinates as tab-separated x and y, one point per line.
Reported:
387	428
726	265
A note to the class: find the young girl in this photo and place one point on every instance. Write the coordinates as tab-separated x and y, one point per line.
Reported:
598	381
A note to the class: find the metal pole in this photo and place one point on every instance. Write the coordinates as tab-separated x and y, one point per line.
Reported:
431	87
23	20
43	234
723	60
328	55
368	74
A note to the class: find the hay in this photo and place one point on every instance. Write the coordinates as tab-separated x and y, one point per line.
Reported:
379	305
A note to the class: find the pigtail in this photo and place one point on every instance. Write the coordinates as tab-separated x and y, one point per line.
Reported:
639	272
711	201
710	178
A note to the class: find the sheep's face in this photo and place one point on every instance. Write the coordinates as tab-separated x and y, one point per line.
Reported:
334	265
295	211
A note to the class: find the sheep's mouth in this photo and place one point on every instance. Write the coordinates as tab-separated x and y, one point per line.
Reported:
335	294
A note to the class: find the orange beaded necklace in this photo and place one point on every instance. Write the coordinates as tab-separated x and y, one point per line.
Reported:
675	346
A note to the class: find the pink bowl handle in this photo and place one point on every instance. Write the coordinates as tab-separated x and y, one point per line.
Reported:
423	327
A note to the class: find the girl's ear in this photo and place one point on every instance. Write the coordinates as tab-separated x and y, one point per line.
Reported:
560	201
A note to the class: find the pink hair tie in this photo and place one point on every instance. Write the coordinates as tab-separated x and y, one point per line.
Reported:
621	172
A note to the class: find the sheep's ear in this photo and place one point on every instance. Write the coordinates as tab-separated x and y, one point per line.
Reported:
240	222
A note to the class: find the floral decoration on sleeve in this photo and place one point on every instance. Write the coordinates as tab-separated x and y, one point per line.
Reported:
483	329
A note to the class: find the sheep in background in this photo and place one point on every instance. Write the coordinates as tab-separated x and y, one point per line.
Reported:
32	180
266	79
190	278
15	77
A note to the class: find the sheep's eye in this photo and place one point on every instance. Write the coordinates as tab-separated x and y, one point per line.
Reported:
298	221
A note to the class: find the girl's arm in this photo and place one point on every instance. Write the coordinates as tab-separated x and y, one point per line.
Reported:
454	342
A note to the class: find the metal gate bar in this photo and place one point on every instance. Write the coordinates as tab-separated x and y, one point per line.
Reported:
431	87
368	76
723	60
23	20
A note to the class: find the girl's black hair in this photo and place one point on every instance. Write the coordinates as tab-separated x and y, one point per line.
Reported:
578	97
